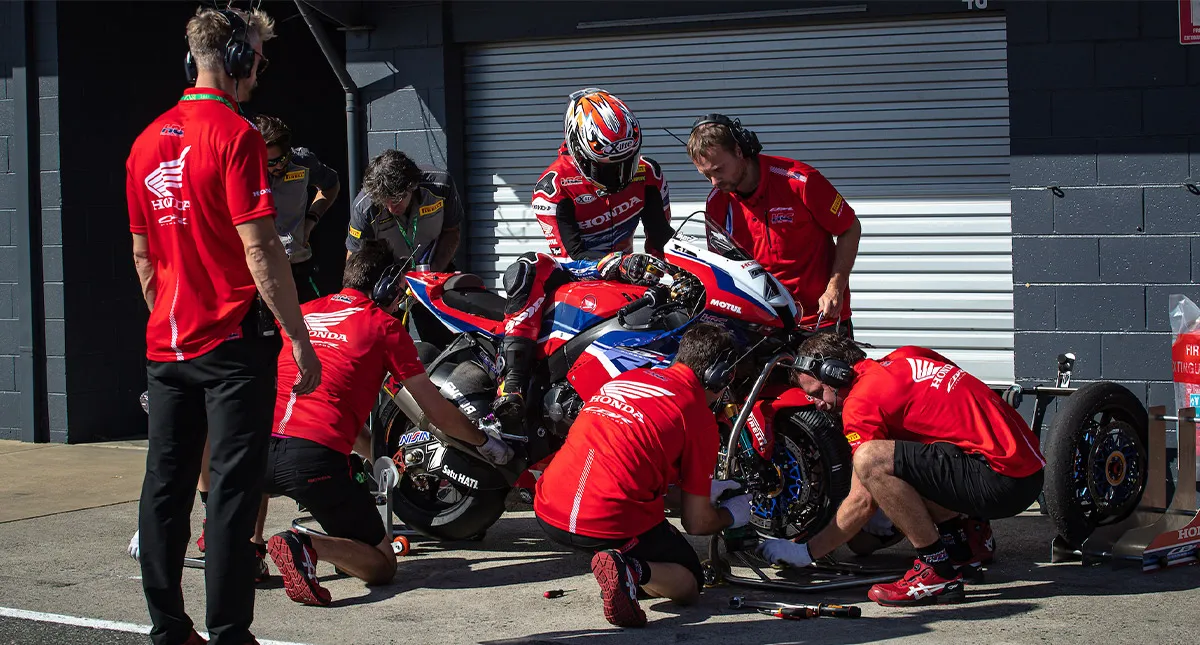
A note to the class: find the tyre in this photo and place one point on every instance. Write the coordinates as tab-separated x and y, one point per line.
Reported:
812	459
1095	459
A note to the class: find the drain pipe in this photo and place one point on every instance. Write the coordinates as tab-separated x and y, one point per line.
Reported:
352	133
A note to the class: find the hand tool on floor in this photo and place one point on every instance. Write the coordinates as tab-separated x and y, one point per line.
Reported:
796	611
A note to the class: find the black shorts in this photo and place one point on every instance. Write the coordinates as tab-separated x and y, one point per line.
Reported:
320	479
662	543
945	475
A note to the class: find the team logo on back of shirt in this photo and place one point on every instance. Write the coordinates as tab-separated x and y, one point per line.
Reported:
925	370
320	324
168	175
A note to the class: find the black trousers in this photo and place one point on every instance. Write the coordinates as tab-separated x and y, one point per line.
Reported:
231	391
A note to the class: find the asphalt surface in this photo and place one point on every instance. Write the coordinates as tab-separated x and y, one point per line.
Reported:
74	563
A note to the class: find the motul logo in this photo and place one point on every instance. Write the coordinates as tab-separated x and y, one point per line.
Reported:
616	211
727	306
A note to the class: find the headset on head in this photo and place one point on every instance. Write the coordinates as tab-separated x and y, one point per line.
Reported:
239	55
746	139
719	373
830	371
389	285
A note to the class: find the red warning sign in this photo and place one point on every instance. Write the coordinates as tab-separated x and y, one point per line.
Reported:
1185	358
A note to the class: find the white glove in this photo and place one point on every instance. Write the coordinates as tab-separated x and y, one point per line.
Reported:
494	449
779	551
739	508
135	546
720	486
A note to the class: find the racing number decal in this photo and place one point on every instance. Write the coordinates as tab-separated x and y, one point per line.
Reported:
438	453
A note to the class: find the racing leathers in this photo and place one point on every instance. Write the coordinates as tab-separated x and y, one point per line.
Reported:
528	297
581	222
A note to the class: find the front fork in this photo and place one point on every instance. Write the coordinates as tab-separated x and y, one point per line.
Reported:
737	433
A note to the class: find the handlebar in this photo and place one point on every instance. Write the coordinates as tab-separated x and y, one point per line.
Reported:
653	297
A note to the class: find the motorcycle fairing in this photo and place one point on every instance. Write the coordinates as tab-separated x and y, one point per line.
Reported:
427	287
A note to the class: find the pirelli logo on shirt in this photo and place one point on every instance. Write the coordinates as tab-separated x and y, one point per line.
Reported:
432	208
355	233
295	175
852	437
836	208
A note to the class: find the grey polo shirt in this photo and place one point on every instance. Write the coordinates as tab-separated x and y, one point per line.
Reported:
292	199
435	206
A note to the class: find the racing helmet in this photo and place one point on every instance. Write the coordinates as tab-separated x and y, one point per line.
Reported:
603	137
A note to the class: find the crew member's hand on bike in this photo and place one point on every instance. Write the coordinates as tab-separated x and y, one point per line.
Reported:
780	551
493	449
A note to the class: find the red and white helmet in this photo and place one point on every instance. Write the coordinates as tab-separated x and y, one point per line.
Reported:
603	137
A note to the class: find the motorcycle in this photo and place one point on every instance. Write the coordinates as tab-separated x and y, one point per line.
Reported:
791	456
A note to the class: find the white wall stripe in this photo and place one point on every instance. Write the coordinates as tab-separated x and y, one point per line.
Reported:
96	623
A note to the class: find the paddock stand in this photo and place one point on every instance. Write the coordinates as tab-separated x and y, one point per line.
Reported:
1155	536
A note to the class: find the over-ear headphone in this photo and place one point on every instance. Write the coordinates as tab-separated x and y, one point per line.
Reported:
719	373
830	371
239	55
388	287
746	139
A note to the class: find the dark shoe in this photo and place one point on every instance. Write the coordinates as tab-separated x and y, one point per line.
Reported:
618	589
297	563
509	406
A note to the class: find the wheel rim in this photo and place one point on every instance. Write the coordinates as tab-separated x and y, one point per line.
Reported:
1107	471
791	510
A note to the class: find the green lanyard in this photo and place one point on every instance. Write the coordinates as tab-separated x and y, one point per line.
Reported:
409	238
210	97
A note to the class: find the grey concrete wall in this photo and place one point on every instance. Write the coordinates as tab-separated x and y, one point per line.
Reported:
9	326
1105	140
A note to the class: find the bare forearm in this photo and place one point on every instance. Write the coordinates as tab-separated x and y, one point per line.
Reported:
446	247
710	521
450	420
853	514
845	252
268	264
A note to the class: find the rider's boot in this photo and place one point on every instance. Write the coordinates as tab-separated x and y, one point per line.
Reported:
509	406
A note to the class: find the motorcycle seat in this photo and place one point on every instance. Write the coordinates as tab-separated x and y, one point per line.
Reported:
465	292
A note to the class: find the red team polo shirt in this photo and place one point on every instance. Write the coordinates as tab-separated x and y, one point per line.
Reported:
788	224
196	173
358	345
644	431
916	394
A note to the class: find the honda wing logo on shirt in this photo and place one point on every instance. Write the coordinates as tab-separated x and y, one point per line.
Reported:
923	370
319	324
168	175
624	390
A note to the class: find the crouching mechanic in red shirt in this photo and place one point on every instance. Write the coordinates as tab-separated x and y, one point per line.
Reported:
786	213
359	343
603	493
932	444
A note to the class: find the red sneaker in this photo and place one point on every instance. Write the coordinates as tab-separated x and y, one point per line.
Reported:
980	539
618	588
920	586
297	563
200	540
195	639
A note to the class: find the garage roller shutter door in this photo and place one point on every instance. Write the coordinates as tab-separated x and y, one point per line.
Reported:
909	119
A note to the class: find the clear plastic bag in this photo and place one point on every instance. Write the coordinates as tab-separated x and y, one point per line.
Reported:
1185	356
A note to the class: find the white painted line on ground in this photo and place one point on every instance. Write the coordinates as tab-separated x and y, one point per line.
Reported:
96	623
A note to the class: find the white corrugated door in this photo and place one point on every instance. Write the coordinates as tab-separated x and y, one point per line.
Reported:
909	119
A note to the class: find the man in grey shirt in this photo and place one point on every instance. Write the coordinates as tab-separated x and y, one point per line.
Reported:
292	172
412	209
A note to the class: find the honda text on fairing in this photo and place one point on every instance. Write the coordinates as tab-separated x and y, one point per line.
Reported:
790	455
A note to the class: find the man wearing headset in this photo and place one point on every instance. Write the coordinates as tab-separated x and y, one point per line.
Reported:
785	213
215	278
359	343
604	492
588	203
933	446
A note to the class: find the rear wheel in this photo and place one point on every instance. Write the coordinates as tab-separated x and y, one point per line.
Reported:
1095	459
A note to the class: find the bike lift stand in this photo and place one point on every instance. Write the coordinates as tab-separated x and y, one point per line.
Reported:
826	574
1155	535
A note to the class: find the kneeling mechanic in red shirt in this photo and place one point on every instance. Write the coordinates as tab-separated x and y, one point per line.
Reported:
934	447
603	493
359	344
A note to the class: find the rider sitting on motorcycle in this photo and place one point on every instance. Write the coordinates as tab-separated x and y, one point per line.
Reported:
588	202
933	446
603	492
359	344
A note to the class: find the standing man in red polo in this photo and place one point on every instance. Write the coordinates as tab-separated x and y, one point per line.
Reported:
933	446
785	213
213	272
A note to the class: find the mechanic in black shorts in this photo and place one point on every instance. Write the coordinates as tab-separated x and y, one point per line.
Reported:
604	491
359	343
934	447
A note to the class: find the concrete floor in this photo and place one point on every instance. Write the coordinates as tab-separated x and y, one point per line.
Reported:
67	512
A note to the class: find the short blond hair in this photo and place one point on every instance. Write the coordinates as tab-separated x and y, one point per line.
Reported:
208	32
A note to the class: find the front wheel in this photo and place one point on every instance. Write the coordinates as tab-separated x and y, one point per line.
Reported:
811	469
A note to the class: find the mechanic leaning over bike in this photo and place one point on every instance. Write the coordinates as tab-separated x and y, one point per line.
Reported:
414	210
933	446
292	172
359	343
588	202
785	212
644	431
